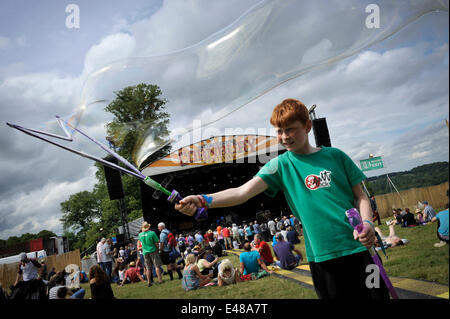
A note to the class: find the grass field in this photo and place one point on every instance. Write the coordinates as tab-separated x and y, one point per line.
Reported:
419	259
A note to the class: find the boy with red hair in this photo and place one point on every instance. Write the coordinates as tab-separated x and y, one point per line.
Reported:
320	185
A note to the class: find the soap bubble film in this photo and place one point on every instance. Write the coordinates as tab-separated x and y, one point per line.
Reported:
270	44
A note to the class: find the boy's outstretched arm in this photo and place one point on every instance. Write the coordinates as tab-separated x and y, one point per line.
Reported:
225	198
362	204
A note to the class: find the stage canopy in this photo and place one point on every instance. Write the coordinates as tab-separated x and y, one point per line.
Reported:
217	150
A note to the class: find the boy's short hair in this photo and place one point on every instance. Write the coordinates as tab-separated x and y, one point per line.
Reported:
289	111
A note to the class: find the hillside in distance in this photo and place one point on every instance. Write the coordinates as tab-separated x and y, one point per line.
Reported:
420	176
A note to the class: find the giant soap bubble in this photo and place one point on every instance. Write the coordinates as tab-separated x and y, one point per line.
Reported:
273	42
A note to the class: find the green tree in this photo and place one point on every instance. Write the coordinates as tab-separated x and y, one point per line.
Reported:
79	211
45	234
138	113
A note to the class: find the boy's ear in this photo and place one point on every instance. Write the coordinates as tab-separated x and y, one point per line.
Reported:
308	126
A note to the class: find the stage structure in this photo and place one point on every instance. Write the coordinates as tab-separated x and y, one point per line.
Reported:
209	166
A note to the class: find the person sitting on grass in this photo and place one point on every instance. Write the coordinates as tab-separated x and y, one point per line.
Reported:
442	231
207	262
263	248
392	240
132	275
408	219
100	284
192	278
283	252
419	217
227	274
250	261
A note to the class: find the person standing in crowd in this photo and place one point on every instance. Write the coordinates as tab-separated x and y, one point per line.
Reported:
264	231
235	232
373	205
107	259
292	236
241	234
279	224
166	249
150	249
28	270
272	228
199	239
256	228
249	232
320	184
227	238
99	252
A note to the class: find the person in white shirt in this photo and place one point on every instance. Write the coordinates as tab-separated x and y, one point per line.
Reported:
99	251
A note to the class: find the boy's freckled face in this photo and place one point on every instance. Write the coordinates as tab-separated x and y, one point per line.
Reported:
294	136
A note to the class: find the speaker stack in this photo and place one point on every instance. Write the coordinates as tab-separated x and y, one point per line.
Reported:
113	180
321	133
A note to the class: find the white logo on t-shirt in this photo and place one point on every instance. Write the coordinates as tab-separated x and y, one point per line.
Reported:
314	182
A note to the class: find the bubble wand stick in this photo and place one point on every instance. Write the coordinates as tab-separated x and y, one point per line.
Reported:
355	220
173	196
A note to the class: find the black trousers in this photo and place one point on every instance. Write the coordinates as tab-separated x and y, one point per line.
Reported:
346	278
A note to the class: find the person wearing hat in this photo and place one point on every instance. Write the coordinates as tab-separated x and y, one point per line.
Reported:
419	217
150	247
132	274
205	264
428	212
28	268
29	271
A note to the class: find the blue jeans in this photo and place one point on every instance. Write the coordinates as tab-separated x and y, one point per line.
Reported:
297	258
79	294
108	268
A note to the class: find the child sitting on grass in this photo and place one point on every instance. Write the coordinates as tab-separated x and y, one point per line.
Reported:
192	278
227	274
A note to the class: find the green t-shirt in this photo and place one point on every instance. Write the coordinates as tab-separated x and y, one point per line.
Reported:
318	189
148	240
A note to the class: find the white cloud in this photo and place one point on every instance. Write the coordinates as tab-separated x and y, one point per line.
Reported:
389	102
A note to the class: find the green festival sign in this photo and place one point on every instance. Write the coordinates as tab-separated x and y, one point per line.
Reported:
371	163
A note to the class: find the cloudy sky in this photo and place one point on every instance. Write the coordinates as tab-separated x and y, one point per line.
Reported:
382	87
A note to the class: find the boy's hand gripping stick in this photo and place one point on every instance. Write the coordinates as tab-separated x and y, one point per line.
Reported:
355	221
175	197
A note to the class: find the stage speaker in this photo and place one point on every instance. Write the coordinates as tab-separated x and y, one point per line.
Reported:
146	199
113	180
321	134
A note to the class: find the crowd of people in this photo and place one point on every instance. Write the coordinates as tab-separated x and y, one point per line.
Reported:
197	256
405	218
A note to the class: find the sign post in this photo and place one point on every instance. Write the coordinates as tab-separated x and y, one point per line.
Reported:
372	163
